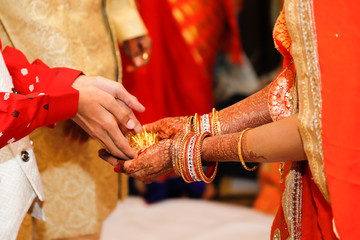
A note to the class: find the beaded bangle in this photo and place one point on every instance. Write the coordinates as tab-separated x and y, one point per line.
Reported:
211	124
185	158
205	123
197	162
190	159
198	177
240	152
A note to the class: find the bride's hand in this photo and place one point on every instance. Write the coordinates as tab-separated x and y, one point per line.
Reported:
148	166
166	127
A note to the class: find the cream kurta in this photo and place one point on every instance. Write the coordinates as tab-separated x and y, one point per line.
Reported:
81	190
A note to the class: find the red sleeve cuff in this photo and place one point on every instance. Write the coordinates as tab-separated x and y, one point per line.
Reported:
64	78
64	99
63	104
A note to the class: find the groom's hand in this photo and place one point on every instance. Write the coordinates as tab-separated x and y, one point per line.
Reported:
104	105
138	50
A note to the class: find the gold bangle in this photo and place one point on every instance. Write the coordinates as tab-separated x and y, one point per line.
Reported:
181	163
195	126
187	124
175	151
240	152
207	177
216	122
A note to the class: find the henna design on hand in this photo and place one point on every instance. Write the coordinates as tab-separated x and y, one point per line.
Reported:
248	113
166	127
220	148
151	164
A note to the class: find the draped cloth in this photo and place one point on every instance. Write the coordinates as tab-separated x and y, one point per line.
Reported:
187	36
338	36
316	202
304	212
172	84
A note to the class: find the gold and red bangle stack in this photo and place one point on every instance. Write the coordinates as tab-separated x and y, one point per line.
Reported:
186	148
179	151
204	123
186	158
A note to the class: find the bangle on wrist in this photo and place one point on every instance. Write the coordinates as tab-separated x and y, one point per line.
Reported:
240	151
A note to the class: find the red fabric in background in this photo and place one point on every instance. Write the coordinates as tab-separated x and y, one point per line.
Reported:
234	47
172	84
338	36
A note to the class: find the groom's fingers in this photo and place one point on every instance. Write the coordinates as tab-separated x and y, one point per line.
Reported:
103	154
126	108
134	168
117	163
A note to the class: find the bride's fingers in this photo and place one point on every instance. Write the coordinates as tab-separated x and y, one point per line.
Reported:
152	127
138	127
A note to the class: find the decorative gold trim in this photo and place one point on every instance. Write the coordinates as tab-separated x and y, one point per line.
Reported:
282	98
300	23
292	201
335	230
277	235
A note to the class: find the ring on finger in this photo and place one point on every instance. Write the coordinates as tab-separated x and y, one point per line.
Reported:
145	56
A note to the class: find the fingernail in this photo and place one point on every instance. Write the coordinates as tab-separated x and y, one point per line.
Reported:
141	151
130	124
133	155
138	129
102	156
117	169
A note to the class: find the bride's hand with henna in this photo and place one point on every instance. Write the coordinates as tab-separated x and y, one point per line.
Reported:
154	162
166	127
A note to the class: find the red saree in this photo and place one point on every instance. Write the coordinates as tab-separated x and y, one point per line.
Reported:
319	195
338	36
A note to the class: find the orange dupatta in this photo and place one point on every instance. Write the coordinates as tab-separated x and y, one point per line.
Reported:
338	36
